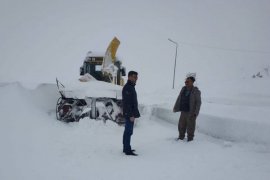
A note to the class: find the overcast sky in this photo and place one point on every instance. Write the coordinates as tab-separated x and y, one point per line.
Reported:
44	39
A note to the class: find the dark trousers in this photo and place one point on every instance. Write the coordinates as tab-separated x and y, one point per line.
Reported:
187	123
127	135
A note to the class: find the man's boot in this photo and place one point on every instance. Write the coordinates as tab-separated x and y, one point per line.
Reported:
133	150
131	153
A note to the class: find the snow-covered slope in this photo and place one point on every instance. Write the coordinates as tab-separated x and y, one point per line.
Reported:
219	40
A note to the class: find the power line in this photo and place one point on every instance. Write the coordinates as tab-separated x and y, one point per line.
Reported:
224	49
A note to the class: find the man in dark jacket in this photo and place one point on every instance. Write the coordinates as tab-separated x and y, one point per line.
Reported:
130	110
188	103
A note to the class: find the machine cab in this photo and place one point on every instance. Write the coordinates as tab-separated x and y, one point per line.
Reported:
93	65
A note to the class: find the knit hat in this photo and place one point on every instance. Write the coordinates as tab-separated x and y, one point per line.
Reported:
191	78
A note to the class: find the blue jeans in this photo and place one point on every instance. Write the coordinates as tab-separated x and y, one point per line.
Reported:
127	135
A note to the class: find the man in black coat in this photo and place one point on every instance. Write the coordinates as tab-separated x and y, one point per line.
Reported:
130	110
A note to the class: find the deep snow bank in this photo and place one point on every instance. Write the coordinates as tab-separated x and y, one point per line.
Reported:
222	127
43	99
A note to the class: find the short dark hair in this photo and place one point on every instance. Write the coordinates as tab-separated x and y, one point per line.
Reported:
191	78
131	73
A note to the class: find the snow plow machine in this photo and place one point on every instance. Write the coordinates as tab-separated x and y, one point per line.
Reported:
97	93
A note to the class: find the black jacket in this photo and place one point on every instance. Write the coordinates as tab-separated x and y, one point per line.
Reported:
130	102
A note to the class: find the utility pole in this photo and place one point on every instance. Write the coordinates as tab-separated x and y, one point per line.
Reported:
176	47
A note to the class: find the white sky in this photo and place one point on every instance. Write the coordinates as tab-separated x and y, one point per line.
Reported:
44	39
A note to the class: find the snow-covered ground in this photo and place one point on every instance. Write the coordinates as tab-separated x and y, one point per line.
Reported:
225	42
34	145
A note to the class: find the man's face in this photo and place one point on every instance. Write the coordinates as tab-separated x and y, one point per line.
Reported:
188	82
133	78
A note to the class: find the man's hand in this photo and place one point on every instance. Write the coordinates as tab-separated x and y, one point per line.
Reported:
132	119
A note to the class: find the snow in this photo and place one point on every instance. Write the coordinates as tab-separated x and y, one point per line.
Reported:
81	90
224	42
34	145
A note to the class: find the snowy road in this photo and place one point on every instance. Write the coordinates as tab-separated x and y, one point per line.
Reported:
36	146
